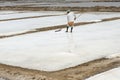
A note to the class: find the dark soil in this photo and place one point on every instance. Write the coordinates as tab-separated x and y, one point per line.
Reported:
80	72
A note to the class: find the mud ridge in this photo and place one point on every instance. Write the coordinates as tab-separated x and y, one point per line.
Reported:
27	17
59	8
86	70
80	72
55	27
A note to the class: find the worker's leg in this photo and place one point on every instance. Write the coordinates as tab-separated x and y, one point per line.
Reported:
67	29
71	29
70	24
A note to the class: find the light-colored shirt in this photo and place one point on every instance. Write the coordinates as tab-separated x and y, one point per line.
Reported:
70	17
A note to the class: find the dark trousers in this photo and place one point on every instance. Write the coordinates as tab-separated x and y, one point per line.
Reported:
68	28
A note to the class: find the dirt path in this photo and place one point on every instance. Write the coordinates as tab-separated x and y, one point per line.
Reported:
13	13
86	70
55	27
31	17
80	72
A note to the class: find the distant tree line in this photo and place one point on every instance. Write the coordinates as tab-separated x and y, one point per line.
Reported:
106	0
8	0
67	0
